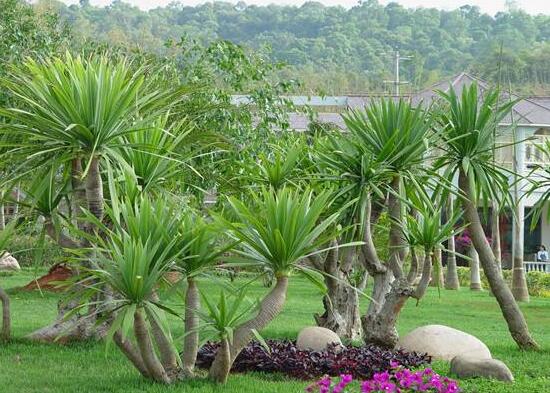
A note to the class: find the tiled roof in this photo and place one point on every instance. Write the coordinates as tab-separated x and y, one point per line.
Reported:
528	110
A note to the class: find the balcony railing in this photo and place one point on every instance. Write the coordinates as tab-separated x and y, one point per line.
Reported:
537	267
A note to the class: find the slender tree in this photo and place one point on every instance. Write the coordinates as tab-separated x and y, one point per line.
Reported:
277	233
467	130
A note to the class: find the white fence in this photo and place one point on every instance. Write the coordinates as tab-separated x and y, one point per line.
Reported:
537	267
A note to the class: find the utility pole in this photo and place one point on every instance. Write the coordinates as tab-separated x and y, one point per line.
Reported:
397	62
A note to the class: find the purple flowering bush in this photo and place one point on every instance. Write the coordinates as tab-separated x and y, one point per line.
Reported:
397	380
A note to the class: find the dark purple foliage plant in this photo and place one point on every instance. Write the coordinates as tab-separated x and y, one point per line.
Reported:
284	357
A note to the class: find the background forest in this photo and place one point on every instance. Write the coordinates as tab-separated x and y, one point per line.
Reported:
336	50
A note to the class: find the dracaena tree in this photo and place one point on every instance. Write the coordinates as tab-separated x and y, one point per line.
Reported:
141	244
203	250
75	115
277	233
468	130
343	162
395	136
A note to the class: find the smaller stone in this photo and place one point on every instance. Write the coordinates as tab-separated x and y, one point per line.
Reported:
7	262
468	367
315	338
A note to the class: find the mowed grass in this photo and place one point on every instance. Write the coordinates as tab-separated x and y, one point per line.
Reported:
28	368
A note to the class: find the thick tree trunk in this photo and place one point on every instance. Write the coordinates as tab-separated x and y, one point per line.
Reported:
519	281
495	236
396	242
167	354
475	274
512	314
270	307
191	341
94	189
424	282
220	373
77	328
78	200
451	278
438	279
131	353
388	295
146	349
2	217
341	302
379	328
6	316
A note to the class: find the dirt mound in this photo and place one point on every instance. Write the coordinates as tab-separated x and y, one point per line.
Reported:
50	281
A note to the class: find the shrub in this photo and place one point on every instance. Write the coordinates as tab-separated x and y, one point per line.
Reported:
396	380
24	248
538	283
284	357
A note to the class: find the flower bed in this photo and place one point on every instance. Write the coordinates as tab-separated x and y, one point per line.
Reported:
284	357
397	379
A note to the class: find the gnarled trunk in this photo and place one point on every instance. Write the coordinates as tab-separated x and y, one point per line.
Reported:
6	316
191	341
270	307
341	303
388	295
512	314
379	328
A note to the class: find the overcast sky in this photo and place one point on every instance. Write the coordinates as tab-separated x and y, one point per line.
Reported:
489	6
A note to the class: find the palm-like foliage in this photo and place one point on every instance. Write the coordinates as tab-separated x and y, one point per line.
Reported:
281	168
78	107
345	161
394	133
203	245
220	319
425	229
141	244
156	155
281	228
469	128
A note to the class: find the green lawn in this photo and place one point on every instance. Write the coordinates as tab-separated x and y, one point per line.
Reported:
26	367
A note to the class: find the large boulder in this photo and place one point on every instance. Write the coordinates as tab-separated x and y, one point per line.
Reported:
316	338
8	262
468	367
444	343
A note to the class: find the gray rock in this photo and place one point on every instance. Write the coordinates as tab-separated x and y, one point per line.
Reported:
316	338
468	367
444	343
7	262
